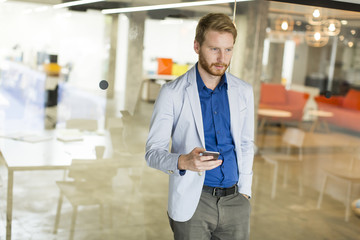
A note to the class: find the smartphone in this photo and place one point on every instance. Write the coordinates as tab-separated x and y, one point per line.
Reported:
210	153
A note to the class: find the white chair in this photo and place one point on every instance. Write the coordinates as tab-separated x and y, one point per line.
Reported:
122	152
348	173
91	185
114	122
82	124
292	138
126	135
115	126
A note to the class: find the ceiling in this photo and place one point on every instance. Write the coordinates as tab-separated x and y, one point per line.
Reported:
185	12
299	12
338	9
351	5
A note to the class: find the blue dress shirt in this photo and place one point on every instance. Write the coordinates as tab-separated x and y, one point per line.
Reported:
216	121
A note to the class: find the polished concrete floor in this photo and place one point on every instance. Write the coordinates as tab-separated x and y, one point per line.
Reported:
139	200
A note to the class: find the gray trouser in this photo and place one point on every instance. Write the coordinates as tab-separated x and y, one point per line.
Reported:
216	218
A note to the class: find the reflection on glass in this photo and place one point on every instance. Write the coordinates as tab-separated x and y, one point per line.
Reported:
40	149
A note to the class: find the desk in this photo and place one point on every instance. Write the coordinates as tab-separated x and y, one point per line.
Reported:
46	155
271	113
150	87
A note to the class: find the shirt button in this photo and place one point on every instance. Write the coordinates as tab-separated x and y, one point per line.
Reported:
218	132
170	171
215	112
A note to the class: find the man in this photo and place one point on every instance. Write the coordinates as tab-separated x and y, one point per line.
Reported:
206	108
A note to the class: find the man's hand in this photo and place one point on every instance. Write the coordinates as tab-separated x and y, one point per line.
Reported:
194	162
245	196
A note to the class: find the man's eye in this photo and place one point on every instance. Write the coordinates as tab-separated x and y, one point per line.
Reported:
214	49
229	50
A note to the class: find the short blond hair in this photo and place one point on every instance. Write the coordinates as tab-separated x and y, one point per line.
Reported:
214	21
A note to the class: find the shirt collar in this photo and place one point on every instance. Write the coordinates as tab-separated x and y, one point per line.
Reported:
201	85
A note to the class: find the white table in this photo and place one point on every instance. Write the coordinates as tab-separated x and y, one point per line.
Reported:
45	155
320	114
272	113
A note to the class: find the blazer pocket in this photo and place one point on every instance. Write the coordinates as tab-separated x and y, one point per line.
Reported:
242	105
242	109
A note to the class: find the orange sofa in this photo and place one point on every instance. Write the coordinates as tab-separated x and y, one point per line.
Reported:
345	109
275	96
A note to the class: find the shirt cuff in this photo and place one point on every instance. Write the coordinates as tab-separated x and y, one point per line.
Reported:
181	172
245	181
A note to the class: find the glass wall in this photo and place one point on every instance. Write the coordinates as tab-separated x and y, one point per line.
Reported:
77	90
306	170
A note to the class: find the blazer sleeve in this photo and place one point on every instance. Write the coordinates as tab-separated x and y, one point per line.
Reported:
247	146
161	126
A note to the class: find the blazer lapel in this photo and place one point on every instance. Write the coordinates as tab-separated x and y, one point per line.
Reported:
193	95
234	102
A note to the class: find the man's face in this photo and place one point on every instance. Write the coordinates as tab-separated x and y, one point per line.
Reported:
215	52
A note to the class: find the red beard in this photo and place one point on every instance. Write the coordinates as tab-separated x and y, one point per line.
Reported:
208	67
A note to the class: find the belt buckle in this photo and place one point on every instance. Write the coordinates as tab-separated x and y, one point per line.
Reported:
214	192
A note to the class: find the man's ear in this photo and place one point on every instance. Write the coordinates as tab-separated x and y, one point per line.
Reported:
196	47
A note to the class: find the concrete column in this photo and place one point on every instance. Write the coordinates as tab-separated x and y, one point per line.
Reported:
317	60
332	64
237	61
299	72
134	75
275	62
112	55
247	60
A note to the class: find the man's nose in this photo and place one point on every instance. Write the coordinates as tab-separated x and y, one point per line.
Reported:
221	56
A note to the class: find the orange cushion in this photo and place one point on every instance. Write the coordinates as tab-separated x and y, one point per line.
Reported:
273	94
165	66
352	100
333	100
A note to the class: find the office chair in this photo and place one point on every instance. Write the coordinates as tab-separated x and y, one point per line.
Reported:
91	185
291	138
348	173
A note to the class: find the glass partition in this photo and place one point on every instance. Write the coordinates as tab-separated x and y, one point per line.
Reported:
77	92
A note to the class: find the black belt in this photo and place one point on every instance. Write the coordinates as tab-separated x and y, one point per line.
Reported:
220	192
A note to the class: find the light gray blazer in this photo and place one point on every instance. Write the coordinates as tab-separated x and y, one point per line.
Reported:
177	118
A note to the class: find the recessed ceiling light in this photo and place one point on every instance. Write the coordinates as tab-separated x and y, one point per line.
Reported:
75	3
41	9
344	22
167	6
